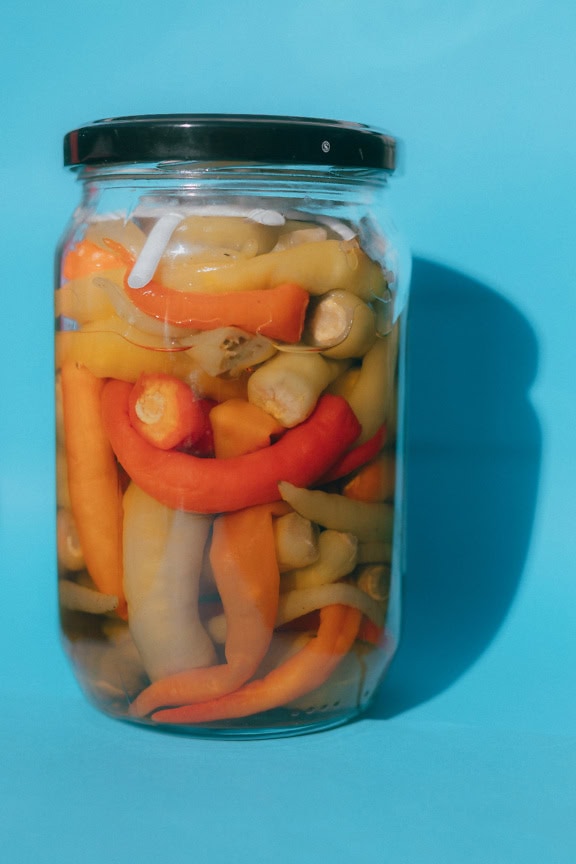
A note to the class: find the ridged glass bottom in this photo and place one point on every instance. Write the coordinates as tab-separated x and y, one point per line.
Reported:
327	707
274	724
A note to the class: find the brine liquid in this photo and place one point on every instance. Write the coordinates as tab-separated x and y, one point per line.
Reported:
176	369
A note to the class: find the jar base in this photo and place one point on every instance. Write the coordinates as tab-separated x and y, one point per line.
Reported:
275	724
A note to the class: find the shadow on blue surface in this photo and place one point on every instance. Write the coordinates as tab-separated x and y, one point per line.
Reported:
473	451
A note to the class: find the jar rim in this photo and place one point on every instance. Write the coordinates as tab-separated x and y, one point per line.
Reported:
272	139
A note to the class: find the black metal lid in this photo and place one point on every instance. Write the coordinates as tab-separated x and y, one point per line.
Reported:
229	137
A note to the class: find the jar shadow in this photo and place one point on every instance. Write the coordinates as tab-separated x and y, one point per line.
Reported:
473	447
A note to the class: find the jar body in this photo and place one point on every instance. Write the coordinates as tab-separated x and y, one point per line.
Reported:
229	361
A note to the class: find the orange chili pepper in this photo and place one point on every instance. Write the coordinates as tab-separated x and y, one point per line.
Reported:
85	258
93	481
186	482
277	312
300	674
164	410
240	427
243	559
375	481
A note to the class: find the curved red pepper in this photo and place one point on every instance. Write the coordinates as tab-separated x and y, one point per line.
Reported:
356	457
186	482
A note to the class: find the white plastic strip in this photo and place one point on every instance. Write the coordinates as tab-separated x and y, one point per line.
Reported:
153	249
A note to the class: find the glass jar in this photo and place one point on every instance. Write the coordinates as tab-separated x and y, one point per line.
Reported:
230	304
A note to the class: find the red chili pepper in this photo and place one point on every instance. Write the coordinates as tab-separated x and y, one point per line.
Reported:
304	623
186	482
300	674
370	632
355	458
203	444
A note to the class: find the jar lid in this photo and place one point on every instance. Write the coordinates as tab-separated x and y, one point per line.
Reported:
229	137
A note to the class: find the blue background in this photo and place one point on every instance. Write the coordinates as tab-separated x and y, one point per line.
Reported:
469	754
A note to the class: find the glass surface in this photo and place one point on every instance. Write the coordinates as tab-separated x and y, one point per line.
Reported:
229	362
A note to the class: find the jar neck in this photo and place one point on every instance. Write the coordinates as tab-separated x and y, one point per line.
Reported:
197	179
349	201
